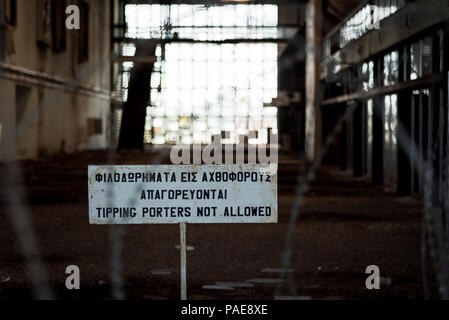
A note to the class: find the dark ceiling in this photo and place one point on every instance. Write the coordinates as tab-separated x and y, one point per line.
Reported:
336	10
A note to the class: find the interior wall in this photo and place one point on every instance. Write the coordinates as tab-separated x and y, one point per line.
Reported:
7	120
64	94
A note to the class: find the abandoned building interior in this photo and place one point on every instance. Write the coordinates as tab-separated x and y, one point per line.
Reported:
355	93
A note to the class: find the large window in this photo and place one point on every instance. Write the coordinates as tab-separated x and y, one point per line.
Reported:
363	20
204	86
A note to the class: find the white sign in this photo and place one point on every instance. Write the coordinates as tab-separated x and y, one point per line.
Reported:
169	194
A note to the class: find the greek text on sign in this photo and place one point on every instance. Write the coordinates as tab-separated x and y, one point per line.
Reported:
167	194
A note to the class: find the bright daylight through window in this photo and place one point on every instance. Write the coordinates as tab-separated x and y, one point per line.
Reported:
204	88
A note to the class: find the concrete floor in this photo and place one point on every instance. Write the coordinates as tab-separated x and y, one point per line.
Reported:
345	224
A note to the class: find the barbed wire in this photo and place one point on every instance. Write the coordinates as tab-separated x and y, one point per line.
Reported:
23	227
303	184
117	233
438	248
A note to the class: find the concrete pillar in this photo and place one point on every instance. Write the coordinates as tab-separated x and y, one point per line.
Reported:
2	31
357	140
437	133
444	51
135	108
344	163
405	128
314	22
377	153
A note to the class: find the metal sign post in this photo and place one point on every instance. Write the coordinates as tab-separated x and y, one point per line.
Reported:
183	249
181	194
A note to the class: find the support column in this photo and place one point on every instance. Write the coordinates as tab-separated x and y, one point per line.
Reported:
377	152
2	31
437	120
444	51
135	108
313	92
404	148
404	134
357	140
344	142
